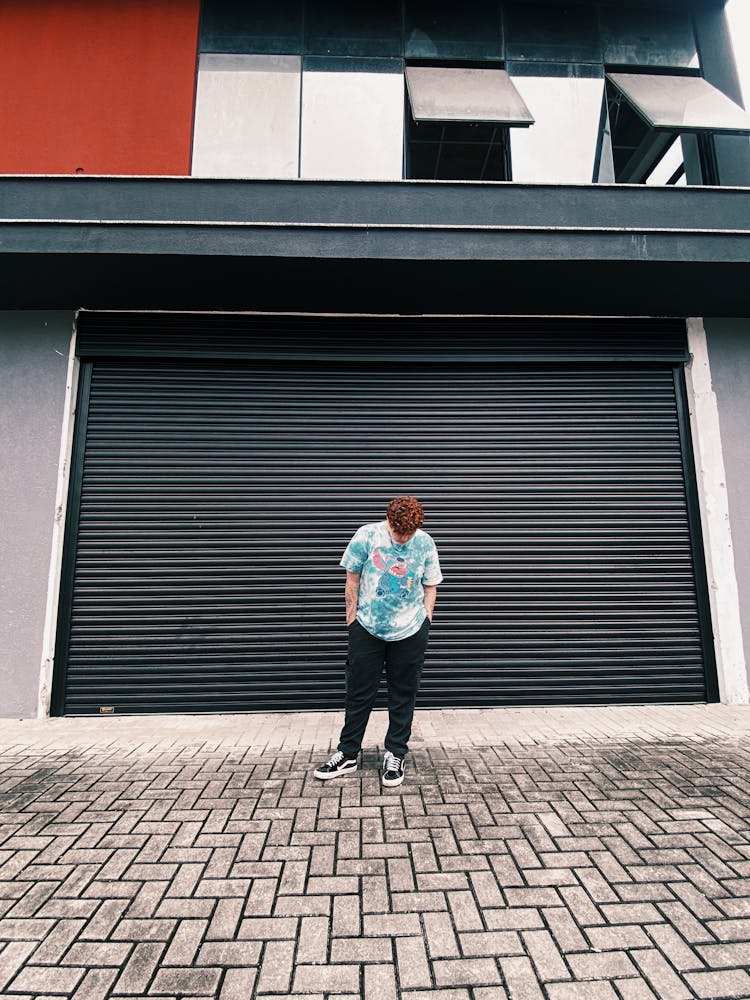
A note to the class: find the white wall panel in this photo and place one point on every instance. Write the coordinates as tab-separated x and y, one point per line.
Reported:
247	116
352	125
560	148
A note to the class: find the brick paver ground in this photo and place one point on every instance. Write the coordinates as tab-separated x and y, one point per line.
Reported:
592	854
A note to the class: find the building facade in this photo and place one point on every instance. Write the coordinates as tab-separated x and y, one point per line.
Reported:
267	265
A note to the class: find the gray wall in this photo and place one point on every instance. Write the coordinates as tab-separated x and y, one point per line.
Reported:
729	357
34	349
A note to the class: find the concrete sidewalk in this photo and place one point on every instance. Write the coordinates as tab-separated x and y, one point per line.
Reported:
530	853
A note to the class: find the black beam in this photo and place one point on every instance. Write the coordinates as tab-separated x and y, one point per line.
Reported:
564	287
105	202
187	243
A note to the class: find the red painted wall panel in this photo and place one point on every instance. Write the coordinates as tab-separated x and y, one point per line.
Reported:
97	86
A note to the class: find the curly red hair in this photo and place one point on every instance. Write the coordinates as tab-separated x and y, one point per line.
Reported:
405	514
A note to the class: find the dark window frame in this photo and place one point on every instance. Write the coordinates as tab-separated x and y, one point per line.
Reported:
492	139
653	142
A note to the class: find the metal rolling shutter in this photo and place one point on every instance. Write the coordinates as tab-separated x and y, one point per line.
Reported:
216	498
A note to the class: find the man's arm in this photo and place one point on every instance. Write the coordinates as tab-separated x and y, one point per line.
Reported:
351	593
430	596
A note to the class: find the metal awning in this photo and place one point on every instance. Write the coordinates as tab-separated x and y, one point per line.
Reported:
681	103
458	94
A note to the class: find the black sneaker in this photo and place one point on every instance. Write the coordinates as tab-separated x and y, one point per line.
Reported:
338	764
393	770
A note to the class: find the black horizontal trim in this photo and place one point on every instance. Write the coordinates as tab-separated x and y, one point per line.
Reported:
585	287
352	64
416	340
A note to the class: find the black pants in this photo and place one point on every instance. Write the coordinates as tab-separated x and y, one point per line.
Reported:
403	662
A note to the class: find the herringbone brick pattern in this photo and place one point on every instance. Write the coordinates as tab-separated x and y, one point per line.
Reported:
570	870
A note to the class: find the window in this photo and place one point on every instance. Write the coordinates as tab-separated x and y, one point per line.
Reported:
457	127
649	112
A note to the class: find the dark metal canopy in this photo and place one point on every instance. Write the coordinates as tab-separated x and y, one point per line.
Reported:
465	93
408	246
681	103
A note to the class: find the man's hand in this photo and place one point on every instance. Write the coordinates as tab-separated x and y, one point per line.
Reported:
351	595
430	596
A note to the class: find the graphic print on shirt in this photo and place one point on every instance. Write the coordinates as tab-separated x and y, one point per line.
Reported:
396	578
390	602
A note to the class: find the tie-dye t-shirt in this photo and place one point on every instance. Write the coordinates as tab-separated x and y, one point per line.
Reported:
391	591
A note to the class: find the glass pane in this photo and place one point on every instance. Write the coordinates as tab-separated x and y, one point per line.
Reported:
552	32
681	103
462	152
227	26
442	93
648	36
471	131
247	116
352	125
581	71
442	29
632	143
339	27
470	162
561	147
352	64
670	167
428	131
421	161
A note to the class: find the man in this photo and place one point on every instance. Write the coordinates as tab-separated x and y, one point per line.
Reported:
392	573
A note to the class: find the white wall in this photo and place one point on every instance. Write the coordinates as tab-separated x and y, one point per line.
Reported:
728	343
247	116
560	147
262	117
352	126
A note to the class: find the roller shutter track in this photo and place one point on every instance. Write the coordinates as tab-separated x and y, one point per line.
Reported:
216	499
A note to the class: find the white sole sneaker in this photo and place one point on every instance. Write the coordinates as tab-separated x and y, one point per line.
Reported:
326	775
391	782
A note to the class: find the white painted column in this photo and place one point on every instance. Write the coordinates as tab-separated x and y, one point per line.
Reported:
58	533
714	506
